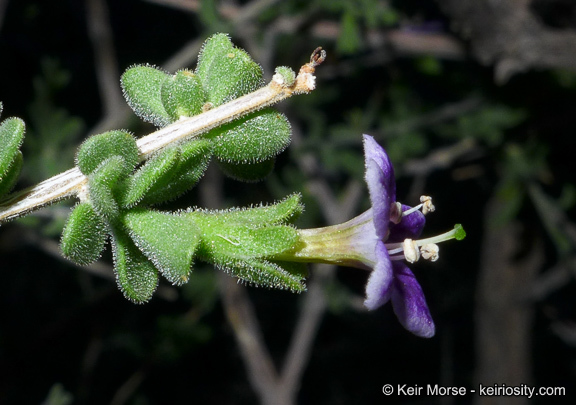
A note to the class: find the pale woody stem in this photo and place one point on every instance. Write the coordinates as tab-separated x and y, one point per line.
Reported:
72	182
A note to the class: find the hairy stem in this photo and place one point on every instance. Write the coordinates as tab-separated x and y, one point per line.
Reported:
72	182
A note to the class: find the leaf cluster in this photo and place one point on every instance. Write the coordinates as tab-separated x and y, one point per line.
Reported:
117	201
245	148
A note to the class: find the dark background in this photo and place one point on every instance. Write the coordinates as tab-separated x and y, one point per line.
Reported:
475	103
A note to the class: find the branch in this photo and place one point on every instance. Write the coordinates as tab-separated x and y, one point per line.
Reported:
441	158
229	11
311	314
72	182
239	310
314	307
506	33
503	316
562	232
3	5
107	71
257	359
552	279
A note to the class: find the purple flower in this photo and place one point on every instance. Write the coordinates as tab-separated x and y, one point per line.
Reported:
380	240
390	278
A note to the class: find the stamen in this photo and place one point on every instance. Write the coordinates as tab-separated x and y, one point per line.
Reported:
411	251
427	248
427	205
392	252
430	252
411	210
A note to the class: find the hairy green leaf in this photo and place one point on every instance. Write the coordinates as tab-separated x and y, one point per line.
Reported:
10	178
264	273
296	268
168	240
182	95
194	158
158	170
11	136
226	72
247	172
255	138
98	148
135	274
222	242
84	235
101	185
282	212
142	87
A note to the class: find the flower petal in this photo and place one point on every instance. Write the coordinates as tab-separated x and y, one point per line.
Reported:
409	302
380	280
410	227
381	184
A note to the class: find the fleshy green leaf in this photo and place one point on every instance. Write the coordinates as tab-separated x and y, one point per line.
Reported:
240	241
100	147
264	273
101	185
157	170
212	48
279	213
11	176
194	158
11	136
296	268
182	95
248	172
168	240
142	87
84	235
222	242
136	275
226	72
255	138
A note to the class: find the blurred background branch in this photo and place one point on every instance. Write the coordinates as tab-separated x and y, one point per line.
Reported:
511	36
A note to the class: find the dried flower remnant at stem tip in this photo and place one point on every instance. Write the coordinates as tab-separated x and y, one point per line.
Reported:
306	81
318	56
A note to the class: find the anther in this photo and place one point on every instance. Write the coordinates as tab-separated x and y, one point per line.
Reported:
396	213
427	205
411	252
430	252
